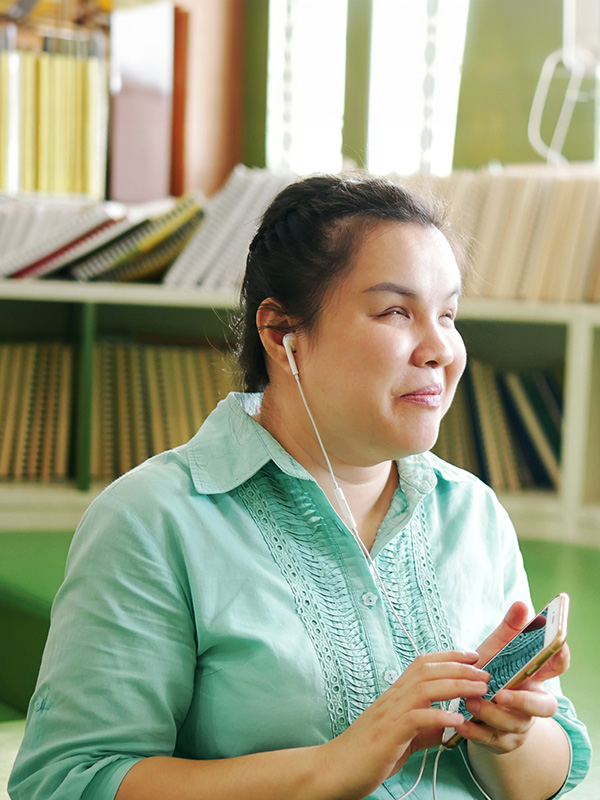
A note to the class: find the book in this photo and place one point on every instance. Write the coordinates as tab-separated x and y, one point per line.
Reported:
151	264
94	116
41	230
108	432
96	416
216	255
27	391
544	400
158	436
139	422
532	428
141	101
515	239
487	235
28	122
457	435
63	413
9	109
123	410
136	241
13	358
498	444
181	21
37	415
576	284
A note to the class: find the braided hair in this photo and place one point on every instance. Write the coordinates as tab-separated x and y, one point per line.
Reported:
304	245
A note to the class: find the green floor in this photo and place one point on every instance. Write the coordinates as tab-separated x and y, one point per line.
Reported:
31	568
554	568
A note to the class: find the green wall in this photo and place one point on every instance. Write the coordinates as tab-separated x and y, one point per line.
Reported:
507	42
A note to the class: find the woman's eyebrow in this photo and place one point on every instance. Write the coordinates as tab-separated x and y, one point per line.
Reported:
395	288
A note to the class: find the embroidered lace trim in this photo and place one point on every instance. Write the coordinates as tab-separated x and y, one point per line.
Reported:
406	568
310	560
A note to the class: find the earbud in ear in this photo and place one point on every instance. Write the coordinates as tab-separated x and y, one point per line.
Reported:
290	349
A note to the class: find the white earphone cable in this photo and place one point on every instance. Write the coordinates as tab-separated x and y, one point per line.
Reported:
351	523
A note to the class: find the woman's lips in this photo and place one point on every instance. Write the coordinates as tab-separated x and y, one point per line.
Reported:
430	396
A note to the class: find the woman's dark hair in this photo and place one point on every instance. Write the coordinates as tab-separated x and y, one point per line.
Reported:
305	243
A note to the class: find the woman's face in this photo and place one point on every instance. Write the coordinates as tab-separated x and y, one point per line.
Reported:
381	366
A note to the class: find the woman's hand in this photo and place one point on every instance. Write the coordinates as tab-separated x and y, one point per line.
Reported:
400	722
504	723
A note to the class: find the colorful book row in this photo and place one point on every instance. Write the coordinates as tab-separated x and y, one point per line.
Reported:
95	242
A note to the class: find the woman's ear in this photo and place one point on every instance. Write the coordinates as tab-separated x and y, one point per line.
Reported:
273	323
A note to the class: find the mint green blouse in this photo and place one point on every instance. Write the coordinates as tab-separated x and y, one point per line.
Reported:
215	605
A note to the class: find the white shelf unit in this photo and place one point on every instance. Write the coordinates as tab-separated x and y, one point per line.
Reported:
514	334
508	334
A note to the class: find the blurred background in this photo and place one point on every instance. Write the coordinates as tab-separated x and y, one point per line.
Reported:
139	143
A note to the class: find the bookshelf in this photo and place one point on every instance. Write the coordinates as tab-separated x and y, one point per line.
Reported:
89	317
564	336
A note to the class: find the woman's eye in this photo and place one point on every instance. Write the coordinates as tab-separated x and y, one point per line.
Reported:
391	312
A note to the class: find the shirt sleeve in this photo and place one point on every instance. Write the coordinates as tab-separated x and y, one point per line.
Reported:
118	668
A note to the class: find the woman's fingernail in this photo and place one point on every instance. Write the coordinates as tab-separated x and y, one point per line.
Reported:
474	705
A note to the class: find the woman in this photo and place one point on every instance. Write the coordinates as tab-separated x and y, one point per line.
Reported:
221	632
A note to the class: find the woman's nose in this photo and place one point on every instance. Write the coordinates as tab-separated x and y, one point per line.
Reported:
434	348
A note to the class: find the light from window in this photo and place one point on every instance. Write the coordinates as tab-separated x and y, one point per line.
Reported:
416	57
306	79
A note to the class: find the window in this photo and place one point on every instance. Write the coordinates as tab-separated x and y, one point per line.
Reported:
416	53
306	76
416	56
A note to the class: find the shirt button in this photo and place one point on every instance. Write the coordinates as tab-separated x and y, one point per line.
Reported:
391	676
369	599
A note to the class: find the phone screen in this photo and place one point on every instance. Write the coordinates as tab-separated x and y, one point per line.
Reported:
513	657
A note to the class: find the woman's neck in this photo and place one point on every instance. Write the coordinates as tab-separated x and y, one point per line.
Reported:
368	489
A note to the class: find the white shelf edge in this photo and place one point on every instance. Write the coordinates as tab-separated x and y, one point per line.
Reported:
53	507
158	294
43	507
150	294
488	309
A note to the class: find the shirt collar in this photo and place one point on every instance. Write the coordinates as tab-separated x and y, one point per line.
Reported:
231	446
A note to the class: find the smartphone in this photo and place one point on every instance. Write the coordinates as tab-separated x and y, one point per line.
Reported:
521	658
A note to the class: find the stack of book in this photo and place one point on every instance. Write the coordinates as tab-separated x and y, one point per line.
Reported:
53	111
531	232
148	398
35	410
216	256
103	241
505	426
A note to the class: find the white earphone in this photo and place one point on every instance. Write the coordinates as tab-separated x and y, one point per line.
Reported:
290	349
